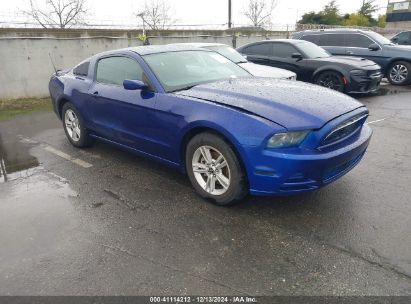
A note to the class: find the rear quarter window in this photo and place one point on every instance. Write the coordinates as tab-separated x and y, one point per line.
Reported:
81	69
262	49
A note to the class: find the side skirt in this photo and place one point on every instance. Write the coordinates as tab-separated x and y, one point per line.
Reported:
139	152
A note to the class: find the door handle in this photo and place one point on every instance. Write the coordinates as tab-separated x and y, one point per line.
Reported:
350	53
95	93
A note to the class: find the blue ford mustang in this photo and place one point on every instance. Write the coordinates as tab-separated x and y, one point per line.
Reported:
197	111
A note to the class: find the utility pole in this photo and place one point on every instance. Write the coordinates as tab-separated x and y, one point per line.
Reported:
229	13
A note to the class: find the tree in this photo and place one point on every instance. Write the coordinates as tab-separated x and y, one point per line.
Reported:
311	18
330	15
57	13
382	20
356	20
259	12
156	14
368	8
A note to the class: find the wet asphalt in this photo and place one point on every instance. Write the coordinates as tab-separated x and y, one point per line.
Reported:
102	221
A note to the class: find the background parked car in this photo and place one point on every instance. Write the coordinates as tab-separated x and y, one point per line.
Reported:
395	60
314	64
252	68
403	38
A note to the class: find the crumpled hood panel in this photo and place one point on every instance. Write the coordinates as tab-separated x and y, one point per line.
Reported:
292	104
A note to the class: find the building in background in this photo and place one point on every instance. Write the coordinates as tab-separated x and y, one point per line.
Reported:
399	14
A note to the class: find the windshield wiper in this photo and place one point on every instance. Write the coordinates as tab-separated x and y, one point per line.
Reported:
183	88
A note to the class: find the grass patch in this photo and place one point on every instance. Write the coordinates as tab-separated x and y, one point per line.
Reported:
11	108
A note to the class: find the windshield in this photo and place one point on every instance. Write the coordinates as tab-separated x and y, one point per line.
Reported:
185	69
228	52
312	51
379	38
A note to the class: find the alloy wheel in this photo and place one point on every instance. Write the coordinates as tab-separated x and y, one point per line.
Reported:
211	170
399	73
331	81
72	124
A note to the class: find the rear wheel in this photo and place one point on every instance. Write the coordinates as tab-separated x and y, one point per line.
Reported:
399	73
332	80
74	128
214	169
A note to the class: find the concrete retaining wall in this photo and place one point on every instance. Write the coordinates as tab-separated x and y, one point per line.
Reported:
25	66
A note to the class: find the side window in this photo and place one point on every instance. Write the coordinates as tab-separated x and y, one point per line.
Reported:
283	50
114	70
358	40
331	40
404	38
81	69
312	38
262	49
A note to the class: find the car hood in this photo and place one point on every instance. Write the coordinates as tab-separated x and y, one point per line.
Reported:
354	62
266	71
292	104
399	48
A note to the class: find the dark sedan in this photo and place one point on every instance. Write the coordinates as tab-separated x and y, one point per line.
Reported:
395	60
313	64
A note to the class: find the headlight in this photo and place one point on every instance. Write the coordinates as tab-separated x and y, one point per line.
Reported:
286	140
359	73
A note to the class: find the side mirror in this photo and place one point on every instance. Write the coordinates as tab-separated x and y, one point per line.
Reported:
297	56
374	47
130	84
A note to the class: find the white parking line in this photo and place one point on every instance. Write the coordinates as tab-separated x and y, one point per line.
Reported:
76	161
375	121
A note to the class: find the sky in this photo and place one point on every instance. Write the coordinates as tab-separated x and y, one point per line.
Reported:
193	11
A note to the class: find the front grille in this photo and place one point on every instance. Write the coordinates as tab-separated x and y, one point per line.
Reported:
336	172
345	129
374	73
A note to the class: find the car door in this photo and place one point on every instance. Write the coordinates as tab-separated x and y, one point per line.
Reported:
358	45
281	57
258	53
123	116
333	43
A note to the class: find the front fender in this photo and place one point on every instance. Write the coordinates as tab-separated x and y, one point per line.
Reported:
245	132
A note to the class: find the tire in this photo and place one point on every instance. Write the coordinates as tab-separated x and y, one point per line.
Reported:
229	181
332	80
399	73
73	125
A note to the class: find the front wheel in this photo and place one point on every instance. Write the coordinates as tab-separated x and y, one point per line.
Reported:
214	169
399	73
332	80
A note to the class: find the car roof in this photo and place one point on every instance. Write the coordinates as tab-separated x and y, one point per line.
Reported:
335	30
152	49
291	41
199	44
